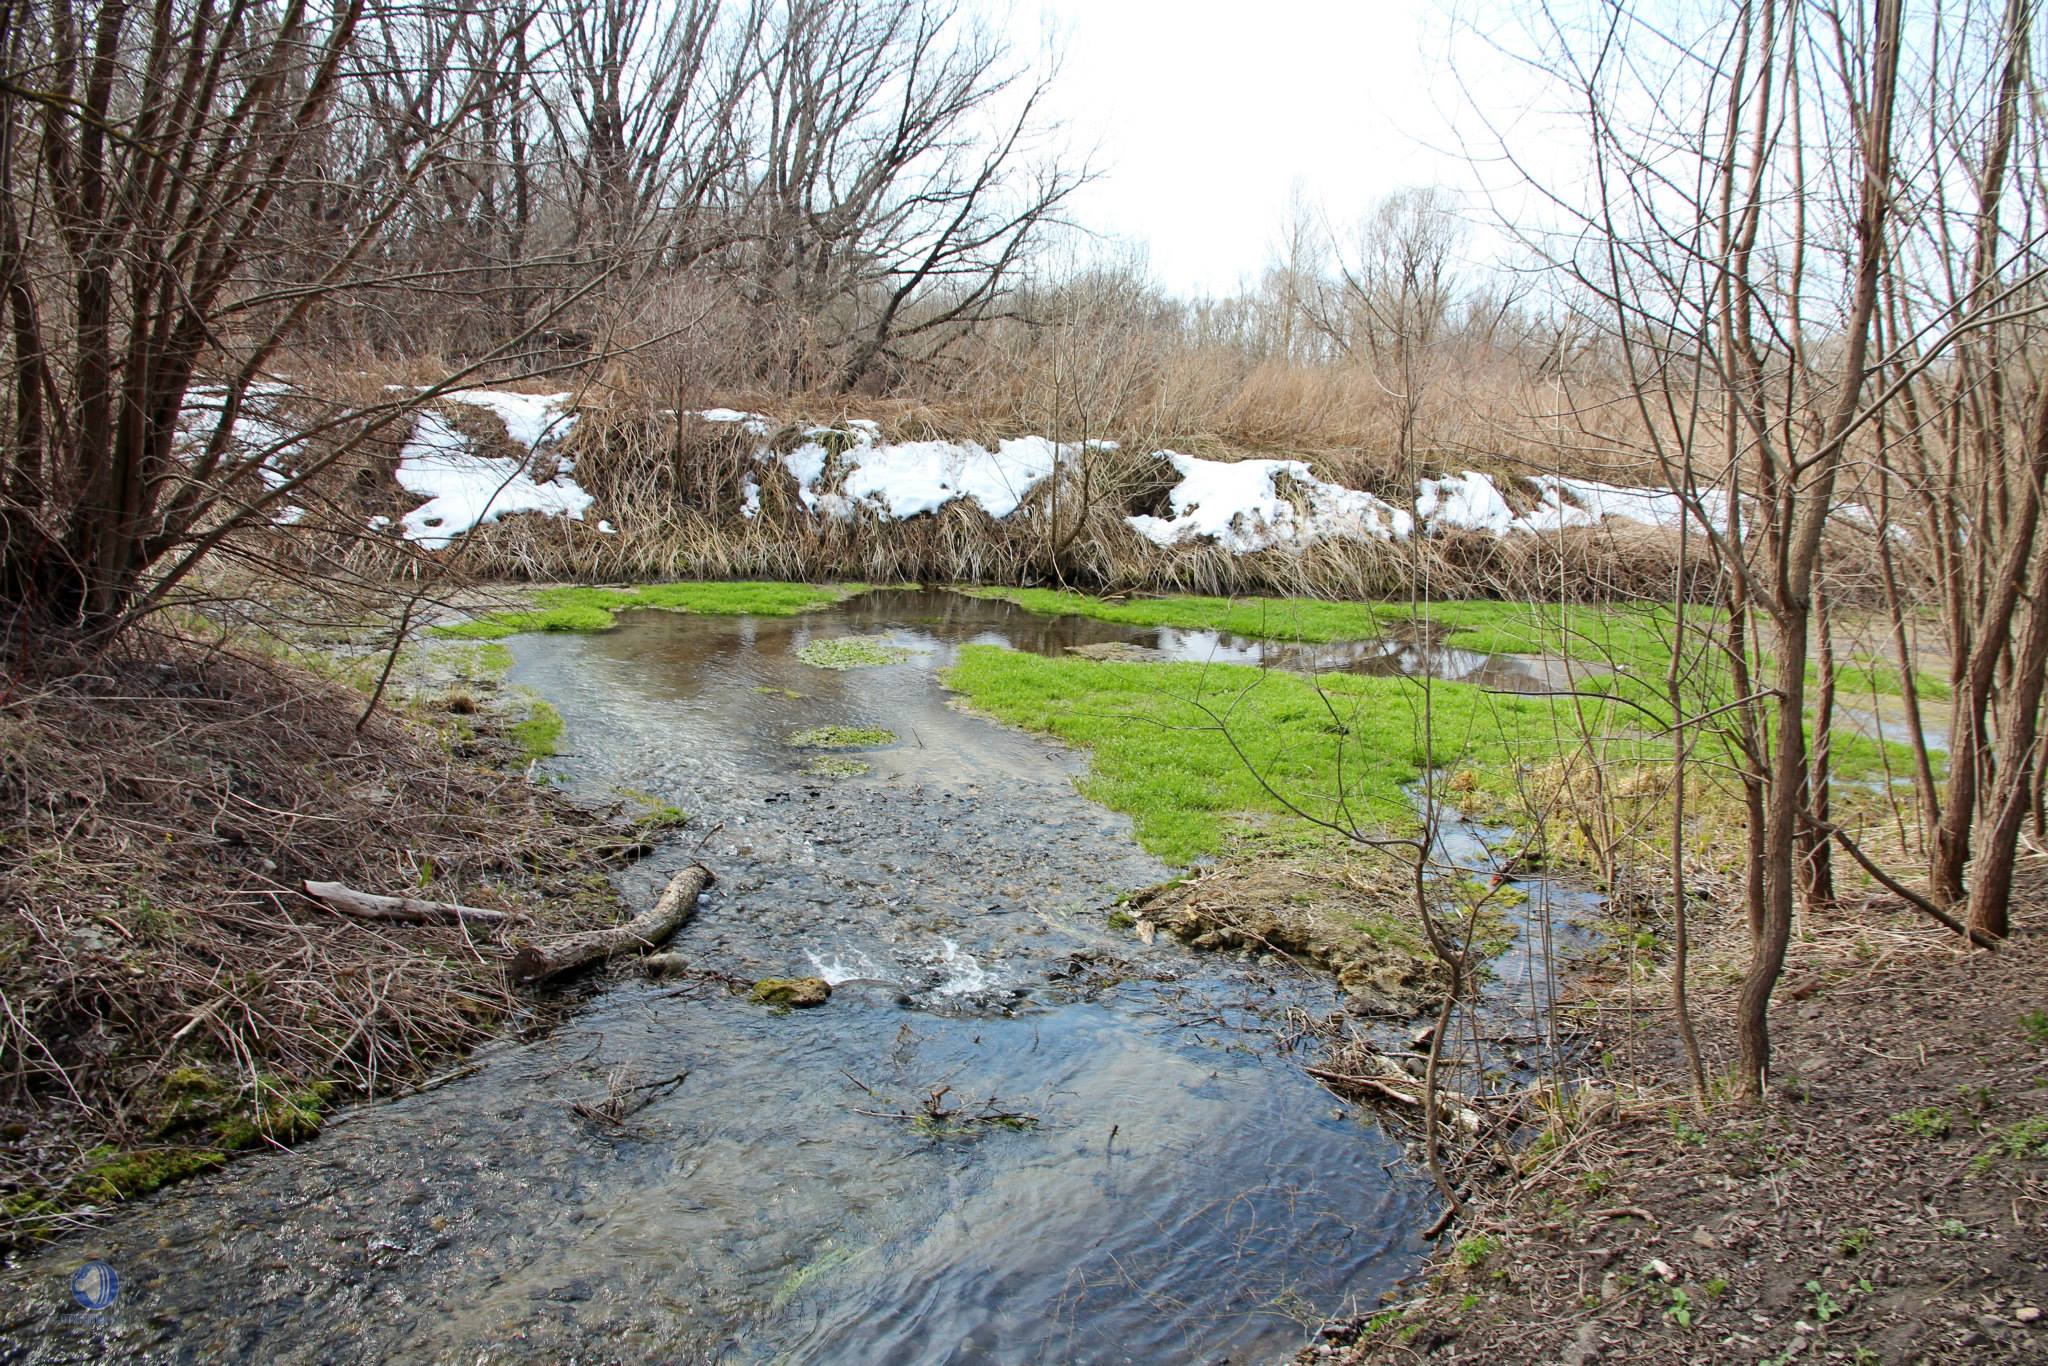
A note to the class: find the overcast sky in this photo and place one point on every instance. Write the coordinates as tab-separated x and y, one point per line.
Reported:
1206	114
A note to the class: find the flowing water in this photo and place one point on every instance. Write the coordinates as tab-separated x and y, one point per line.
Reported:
1164	1185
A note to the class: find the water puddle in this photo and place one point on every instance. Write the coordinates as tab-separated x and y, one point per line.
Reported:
1011	1136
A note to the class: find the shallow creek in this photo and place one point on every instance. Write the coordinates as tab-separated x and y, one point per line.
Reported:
1181	1190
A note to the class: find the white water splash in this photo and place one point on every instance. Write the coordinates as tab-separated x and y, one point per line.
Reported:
960	973
844	968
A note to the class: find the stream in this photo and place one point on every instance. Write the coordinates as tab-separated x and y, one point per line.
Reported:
1168	1185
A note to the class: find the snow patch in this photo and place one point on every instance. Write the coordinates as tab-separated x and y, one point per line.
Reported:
465	490
1463	502
530	419
754	423
914	477
1238	505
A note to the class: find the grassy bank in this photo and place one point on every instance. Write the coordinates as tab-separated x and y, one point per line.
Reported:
1191	750
173	996
579	608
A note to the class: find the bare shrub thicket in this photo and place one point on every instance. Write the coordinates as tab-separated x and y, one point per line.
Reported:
1810	244
195	193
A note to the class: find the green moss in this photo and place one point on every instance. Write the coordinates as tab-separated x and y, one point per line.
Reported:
824	766
792	992
540	734
123	1176
842	737
850	652
597	609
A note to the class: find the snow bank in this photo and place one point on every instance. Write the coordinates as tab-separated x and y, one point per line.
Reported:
530	419
464	489
915	477
1463	502
1238	504
1244	506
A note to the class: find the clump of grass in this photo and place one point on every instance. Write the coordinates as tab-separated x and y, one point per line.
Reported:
825	766
842	737
2034	1024
597	609
851	652
539	736
1927	1121
2028	1138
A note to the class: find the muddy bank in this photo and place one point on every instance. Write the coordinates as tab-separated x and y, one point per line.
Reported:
1328	910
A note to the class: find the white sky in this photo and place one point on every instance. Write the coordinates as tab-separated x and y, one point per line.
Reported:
1206	115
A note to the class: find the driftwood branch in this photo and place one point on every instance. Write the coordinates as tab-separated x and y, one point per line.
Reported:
1388	1082
648	930
403	910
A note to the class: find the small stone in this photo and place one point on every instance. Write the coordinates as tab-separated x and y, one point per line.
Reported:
1610	1288
1661	1269
1585	1347
2028	1314
1702	1238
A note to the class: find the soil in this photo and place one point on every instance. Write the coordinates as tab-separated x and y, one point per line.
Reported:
1319	907
1877	1209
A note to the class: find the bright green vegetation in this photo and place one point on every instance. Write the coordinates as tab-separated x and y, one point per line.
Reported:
826	766
597	609
1634	639
1192	750
1183	747
2026	1139
2034	1024
1928	1121
850	652
1471	1253
842	737
540	734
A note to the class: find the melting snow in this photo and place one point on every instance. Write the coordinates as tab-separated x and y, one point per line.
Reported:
1241	505
1238	505
530	419
1463	502
755	423
464	489
916	477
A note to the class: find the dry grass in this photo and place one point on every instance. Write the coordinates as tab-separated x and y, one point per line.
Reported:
163	808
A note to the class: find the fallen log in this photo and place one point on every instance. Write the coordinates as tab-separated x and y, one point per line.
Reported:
1395	1085
535	963
404	910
